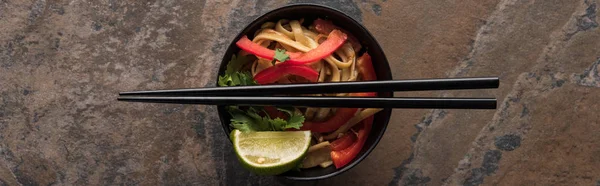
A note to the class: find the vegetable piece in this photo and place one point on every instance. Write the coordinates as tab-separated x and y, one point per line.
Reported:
326	164
325	27
274	73
278	124
236	63
340	118
295	119
360	116
233	76
317	154
343	157
319	146
344	142
365	113
365	67
245	44
250	120
334	41
280	55
236	79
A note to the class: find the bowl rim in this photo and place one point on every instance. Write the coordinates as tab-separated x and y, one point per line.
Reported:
384	121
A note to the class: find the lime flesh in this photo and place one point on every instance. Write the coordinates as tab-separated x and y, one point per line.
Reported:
270	153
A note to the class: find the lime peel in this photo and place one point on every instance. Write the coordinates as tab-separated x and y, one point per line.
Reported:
270	152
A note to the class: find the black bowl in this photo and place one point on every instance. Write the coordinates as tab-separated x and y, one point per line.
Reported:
310	12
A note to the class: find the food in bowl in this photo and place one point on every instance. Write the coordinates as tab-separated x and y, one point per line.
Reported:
272	140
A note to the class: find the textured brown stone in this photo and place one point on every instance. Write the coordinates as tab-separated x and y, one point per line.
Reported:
62	63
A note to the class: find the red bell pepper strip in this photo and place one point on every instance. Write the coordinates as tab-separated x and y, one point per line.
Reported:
365	67
344	142
326	26
343	157
363	94
247	45
334	41
274	73
340	118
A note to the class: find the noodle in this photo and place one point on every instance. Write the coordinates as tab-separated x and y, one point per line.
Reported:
298	33
322	114
279	28
308	33
268	25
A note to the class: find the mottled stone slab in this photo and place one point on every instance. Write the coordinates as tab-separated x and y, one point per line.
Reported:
63	62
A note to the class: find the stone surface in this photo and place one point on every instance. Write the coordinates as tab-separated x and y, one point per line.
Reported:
62	63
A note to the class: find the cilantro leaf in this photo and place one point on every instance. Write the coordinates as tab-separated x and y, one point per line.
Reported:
240	120
236	64
233	76
295	121
246	78
288	110
280	55
236	79
225	80
247	121
253	112
244	127
251	120
278	123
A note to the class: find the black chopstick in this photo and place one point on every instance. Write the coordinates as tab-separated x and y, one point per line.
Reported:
348	102
331	87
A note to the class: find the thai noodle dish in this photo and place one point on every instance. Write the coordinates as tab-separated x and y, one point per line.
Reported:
271	140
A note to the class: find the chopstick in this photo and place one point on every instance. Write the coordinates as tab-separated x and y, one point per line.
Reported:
263	95
332	87
349	102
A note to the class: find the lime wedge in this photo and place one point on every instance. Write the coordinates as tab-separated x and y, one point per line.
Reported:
270	153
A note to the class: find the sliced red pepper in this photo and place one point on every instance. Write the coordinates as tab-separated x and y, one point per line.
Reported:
326	26
247	45
340	118
334	41
343	157
364	94
365	67
274	73
344	142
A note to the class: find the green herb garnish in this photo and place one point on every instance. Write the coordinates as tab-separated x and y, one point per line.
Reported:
233	76
250	120
280	55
